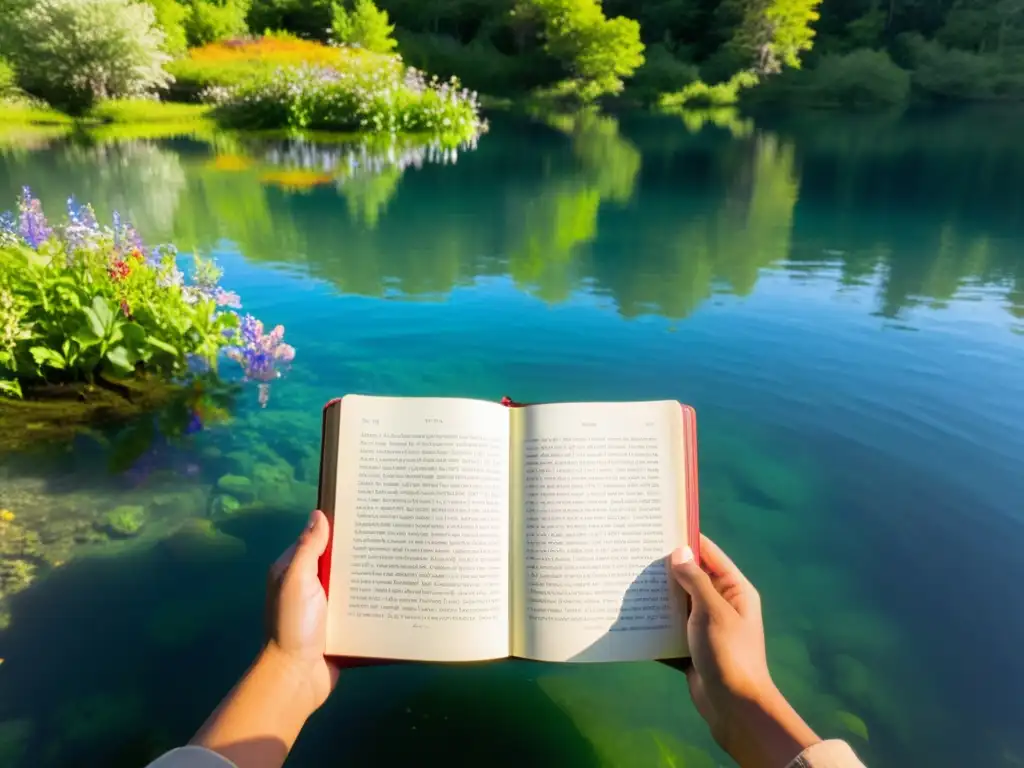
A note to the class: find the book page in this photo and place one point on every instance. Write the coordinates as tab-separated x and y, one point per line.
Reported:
420	550
600	507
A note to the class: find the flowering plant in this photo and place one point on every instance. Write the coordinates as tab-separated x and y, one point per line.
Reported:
81	302
389	99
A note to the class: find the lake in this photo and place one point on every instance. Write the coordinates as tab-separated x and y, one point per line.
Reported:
840	297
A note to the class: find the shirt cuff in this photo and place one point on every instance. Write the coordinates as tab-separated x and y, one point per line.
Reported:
191	757
827	754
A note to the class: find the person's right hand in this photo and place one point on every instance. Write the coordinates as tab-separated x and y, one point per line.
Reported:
729	679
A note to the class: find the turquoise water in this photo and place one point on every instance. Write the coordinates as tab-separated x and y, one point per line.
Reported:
842	300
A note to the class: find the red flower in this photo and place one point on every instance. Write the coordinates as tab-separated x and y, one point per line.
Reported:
119	270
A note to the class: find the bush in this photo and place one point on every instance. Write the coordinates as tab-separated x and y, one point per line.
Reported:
75	52
365	26
210	21
661	73
226	64
387	100
949	73
81	303
863	79
309	18
478	63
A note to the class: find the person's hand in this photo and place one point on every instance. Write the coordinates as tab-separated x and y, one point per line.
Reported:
729	679
297	613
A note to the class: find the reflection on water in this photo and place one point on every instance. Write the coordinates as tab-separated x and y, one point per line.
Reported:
840	297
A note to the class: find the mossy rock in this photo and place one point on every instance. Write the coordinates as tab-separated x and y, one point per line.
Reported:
188	503
238	486
18	541
239	462
14	738
15	575
57	413
224	505
125	521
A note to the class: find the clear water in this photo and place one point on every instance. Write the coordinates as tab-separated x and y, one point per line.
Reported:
841	298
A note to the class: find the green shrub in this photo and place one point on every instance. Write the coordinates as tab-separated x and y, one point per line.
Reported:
365	26
661	73
75	52
309	18
478	63
387	100
209	20
863	79
700	94
950	73
81	303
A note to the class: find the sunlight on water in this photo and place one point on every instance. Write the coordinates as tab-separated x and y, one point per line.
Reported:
841	299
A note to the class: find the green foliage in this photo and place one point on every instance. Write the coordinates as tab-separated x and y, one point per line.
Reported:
308	18
950	73
85	306
170	16
365	26
75	52
8	80
862	79
479	63
599	53
209	21
772	33
387	100
700	94
661	73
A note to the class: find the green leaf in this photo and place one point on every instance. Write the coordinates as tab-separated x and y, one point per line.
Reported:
163	346
47	356
119	358
96	326
10	387
134	335
103	314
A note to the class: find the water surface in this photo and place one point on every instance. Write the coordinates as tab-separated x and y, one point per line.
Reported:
842	300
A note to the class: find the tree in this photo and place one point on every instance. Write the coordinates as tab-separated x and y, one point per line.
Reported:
74	52
773	33
170	16
365	25
598	52
213	20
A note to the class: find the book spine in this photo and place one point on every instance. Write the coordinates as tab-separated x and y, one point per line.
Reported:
327	493
692	484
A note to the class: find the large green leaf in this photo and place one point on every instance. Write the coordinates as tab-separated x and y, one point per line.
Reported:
163	346
103	313
47	356
96	326
119	358
134	335
10	387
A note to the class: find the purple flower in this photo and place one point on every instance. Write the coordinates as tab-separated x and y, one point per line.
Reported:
260	354
32	226
82	230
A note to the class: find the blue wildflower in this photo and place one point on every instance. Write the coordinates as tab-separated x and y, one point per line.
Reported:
32	226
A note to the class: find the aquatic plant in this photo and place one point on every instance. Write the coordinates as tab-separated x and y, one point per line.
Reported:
82	302
389	99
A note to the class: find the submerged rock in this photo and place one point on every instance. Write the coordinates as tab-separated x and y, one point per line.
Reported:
224	506
238	486
124	521
199	541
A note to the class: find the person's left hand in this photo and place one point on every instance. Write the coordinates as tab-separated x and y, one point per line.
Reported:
297	612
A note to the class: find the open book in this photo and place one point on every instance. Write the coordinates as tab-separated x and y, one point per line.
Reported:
465	530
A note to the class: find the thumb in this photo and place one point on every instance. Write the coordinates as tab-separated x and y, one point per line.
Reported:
691	578
313	540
